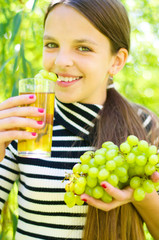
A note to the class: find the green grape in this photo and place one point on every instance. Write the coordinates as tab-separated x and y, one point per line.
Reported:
119	160
101	167
69	197
121	171
141	160
101	151
156	185
89	191
153	159
113	180
44	73
99	159
132	172
90	153
52	76
98	192
107	144
77	168
81	181
110	154
91	182
103	174
139	194
139	170
132	140
85	158
143	146
70	204
93	172
79	189
149	169
125	147
106	197
124	179
148	186
130	158
135	150
78	200
92	163
69	187
135	182
152	150
110	165
84	168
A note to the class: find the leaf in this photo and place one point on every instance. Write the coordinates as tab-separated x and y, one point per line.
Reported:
16	24
24	62
5	63
15	64
34	5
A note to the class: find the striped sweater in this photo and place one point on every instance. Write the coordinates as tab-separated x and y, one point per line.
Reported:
42	211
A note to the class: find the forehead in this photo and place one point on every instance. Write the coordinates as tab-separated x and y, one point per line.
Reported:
67	20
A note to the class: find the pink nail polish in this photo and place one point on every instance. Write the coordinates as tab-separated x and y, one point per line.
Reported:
40	110
40	122
31	96
104	185
85	200
33	134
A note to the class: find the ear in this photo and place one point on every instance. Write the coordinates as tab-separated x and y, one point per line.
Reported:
119	61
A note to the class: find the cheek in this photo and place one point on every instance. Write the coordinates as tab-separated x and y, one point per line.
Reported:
47	60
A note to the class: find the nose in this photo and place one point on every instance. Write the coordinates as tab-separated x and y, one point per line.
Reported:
63	59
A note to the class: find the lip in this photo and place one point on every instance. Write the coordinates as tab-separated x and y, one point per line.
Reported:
66	75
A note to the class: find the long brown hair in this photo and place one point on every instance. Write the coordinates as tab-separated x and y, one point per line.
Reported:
118	119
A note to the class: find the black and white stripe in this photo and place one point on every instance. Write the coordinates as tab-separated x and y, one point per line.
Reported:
42	211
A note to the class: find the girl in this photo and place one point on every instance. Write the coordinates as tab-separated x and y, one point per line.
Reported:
86	42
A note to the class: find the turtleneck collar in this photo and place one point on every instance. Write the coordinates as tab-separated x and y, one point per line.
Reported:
77	117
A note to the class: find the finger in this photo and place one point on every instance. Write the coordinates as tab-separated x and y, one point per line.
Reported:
120	195
19	122
9	136
17	101
155	177
22	112
102	205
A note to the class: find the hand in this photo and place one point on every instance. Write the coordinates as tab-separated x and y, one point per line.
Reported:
13	117
120	197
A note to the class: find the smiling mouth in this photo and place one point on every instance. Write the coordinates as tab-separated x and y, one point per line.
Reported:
67	79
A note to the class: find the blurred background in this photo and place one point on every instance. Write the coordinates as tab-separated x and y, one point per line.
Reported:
21	45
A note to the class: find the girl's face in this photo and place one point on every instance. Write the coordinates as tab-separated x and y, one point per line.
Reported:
79	54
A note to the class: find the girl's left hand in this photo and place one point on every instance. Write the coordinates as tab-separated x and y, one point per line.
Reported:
120	197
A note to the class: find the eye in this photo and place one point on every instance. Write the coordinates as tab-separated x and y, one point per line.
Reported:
84	49
51	45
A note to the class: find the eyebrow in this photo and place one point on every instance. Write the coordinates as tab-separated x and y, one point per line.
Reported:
47	37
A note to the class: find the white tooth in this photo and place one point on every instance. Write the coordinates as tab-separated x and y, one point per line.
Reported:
67	79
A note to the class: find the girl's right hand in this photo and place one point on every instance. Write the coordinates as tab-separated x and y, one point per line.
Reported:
13	118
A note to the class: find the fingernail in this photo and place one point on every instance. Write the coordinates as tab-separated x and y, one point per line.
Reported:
85	200
31	96
104	185
33	134
41	110
40	122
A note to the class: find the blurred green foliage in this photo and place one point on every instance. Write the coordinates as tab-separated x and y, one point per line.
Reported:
21	33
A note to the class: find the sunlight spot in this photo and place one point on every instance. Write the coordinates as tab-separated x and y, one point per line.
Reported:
149	92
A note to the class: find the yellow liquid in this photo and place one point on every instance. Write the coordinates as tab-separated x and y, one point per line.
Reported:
40	146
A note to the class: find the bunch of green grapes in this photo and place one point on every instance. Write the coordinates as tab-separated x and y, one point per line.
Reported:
43	74
130	164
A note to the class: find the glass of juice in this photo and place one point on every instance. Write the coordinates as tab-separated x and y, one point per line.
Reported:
43	89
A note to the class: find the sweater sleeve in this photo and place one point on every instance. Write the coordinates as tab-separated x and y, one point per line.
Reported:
9	172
